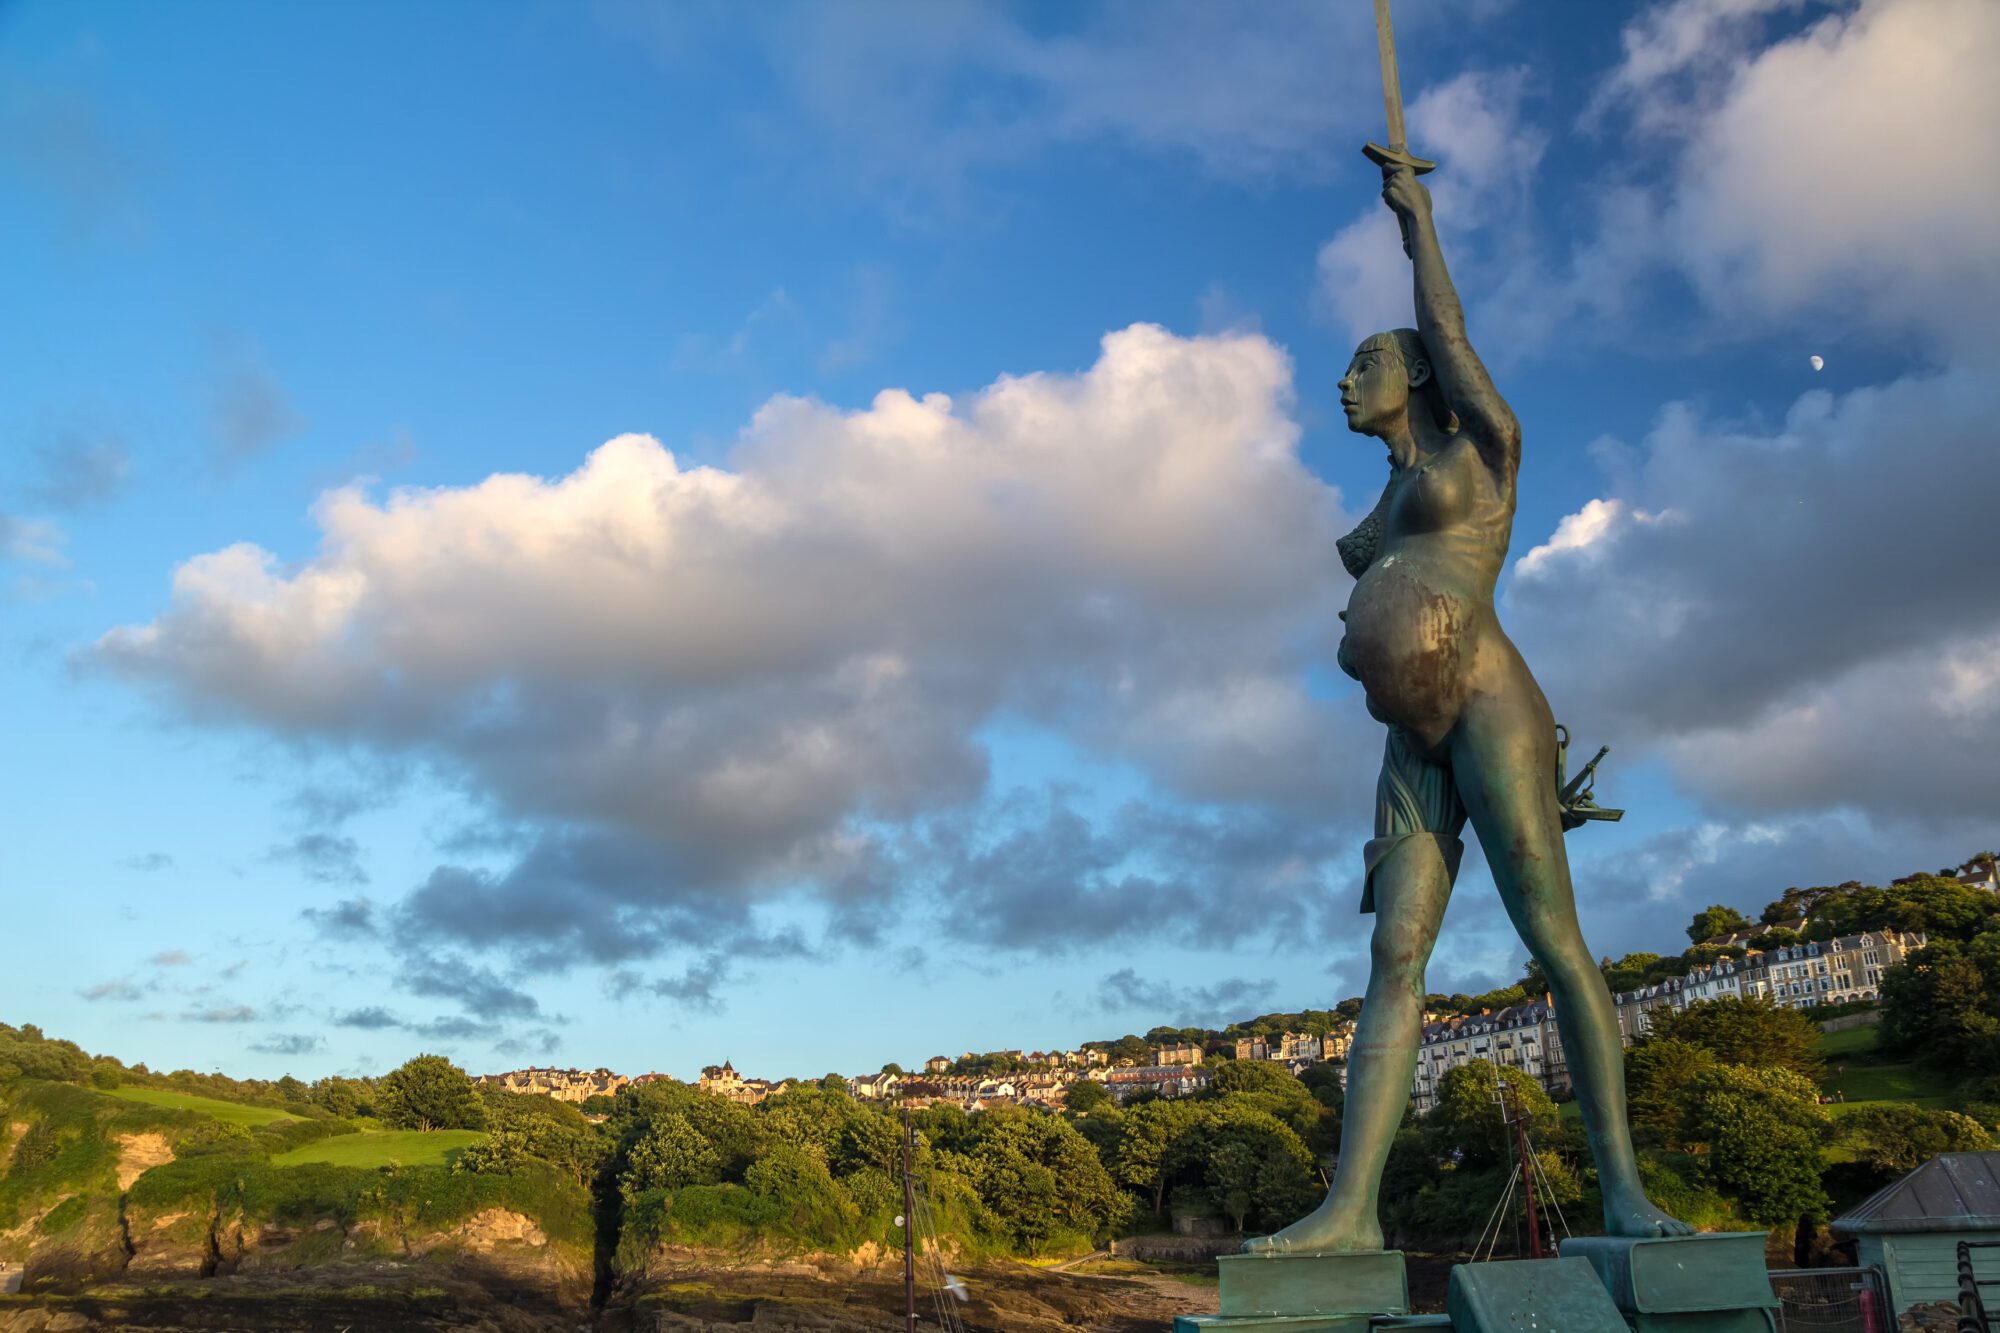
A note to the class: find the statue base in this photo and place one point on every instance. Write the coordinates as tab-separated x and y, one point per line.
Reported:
1711	1283
1306	1293
1557	1295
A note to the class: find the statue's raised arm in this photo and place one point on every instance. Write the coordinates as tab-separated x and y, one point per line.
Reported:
1483	414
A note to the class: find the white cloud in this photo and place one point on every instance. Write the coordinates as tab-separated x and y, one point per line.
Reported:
1673	44
35	540
1487	157
1855	170
1810	623
1581	532
745	666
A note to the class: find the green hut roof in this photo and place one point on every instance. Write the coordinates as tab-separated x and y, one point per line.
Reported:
1954	1191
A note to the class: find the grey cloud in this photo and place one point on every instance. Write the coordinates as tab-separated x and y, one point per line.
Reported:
604	897
539	1044
478	988
120	989
454	1028
171	958
31	540
252	411
373	1018
1229	1000
79	469
1034	873
329	858
235	1013
917	102
1800	617
350	917
149	861
55	138
1642	897
287	1043
698	987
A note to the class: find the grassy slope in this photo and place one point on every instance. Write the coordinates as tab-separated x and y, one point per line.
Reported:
232	1113
1860	1075
391	1147
262	1163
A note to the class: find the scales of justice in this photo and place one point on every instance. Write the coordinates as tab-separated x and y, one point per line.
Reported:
1471	739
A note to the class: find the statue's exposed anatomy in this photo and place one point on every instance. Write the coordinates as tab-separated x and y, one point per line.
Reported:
1470	733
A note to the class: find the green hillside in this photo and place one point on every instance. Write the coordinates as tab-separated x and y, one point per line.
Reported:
231	1113
398	1147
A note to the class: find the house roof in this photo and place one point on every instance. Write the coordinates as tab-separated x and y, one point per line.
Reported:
1954	1191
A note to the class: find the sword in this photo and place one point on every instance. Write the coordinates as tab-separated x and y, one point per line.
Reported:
1397	154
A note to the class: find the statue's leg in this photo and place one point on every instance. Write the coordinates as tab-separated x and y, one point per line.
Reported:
1409	881
1503	756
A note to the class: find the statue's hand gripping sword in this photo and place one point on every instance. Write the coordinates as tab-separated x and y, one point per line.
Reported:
1397	154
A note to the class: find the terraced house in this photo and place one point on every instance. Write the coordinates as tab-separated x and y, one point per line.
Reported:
1796	976
1522	1037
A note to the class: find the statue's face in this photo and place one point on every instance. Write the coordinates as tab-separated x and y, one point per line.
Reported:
1375	391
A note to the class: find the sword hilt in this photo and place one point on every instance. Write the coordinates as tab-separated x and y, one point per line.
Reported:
1397	157
1390	158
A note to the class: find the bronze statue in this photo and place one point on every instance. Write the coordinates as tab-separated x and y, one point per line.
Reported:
1470	735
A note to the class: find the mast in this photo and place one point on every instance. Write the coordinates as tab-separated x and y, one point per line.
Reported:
1527	1176
909	1228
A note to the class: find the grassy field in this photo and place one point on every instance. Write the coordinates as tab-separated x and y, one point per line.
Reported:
234	1113
1860	1075
1835	1046
403	1147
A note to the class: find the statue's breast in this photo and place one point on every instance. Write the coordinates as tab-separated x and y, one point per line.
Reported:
1443	492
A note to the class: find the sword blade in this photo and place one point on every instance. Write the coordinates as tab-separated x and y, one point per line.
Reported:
1392	86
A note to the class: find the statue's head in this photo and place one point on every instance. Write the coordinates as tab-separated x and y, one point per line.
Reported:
1389	375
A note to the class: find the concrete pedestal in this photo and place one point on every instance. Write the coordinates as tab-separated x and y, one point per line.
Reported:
1714	1283
1306	1293
1530	1296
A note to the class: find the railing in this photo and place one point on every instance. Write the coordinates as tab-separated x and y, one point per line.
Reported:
1832	1300
1972	1316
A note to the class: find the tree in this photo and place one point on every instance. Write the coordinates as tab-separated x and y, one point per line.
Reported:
797	1181
1762	1128
1738	1031
1270	1087
1087	1097
1467	1122
1895	1137
1658	1072
1716	920
1148	1134
1942	1003
1042	1179
1250	1163
501	1152
1131	1050
672	1155
429	1093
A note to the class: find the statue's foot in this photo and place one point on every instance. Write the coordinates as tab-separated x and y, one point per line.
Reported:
1632	1214
1323	1231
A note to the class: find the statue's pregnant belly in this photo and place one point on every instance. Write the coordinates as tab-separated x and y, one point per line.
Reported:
1411	638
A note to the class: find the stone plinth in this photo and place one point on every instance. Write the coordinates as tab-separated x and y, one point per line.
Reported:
1714	1283
1306	1293
1531	1296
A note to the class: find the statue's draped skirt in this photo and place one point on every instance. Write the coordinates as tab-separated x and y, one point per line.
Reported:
1415	800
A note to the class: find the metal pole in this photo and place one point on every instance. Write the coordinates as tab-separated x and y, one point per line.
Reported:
909	1228
1528	1180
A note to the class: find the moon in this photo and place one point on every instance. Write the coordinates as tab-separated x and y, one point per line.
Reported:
1818	363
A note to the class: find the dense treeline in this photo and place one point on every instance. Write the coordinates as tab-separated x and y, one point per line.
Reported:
1726	1104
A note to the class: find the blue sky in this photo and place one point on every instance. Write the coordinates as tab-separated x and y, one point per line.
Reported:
482	567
